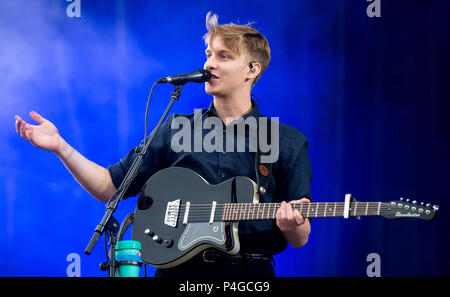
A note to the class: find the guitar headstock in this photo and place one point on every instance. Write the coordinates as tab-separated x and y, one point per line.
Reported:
403	209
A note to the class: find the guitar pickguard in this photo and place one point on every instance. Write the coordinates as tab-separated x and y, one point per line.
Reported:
201	232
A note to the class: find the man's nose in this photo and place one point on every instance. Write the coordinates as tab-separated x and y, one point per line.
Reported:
210	64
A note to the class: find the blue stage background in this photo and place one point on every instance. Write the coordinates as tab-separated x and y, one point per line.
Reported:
371	95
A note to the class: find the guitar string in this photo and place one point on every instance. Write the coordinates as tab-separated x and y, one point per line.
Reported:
318	204
235	214
255	207
218	217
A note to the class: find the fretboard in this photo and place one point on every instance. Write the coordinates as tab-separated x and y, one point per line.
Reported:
265	211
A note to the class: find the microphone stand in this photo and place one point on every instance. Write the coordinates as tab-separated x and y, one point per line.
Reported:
108	222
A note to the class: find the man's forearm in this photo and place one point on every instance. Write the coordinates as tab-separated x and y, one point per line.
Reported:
92	177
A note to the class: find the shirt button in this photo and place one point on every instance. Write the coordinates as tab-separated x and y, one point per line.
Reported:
222	175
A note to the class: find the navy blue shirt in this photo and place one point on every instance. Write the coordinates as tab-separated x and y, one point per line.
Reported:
290	180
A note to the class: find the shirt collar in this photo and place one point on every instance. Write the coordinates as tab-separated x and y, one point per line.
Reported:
211	111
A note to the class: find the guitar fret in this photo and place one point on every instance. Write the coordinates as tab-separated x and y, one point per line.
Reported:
367	206
356	205
325	213
275	207
309	205
261	211
264	209
238	211
257	210
247	209
317	208
271	212
334	212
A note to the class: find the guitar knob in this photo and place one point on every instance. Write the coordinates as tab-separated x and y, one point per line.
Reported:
435	207
168	242
414	202
149	232
428	205
407	200
421	203
157	239
401	198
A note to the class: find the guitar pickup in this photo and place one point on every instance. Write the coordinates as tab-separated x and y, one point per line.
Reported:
171	216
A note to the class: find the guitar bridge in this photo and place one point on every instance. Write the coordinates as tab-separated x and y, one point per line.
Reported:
171	216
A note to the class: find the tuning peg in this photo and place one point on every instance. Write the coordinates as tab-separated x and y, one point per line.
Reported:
436	207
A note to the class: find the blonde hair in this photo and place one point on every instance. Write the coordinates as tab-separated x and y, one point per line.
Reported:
240	38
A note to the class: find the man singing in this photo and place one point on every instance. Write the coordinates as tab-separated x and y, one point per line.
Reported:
236	56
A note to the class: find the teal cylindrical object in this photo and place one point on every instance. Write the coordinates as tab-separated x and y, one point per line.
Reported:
128	256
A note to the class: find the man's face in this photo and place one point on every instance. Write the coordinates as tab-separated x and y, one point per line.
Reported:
228	69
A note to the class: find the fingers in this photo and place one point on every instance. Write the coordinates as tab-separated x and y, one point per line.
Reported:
20	126
23	128
289	218
18	122
280	216
37	117
298	218
284	216
304	200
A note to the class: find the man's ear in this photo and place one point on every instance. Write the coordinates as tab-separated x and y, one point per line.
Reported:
255	69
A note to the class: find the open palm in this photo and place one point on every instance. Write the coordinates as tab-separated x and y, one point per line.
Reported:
45	135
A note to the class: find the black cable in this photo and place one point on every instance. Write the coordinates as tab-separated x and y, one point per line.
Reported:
145	138
146	110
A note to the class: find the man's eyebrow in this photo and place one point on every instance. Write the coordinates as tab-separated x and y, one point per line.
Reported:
219	51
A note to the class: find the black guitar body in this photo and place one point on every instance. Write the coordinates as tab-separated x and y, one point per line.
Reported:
160	224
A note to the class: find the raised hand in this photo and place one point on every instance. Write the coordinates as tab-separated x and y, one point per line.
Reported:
44	136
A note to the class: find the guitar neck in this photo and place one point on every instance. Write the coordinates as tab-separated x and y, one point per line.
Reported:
265	211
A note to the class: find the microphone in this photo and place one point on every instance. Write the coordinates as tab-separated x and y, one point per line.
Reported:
198	76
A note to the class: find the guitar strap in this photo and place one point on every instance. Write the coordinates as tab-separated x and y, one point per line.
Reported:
263	170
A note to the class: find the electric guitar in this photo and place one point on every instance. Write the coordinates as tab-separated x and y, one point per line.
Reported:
179	214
